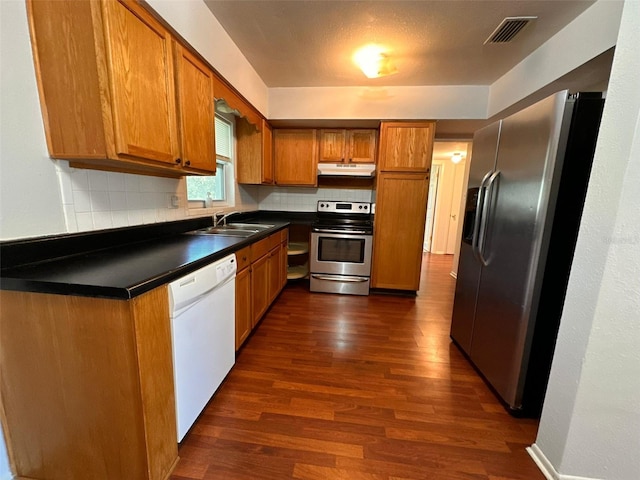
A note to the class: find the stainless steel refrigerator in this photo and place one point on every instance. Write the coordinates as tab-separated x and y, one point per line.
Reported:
527	184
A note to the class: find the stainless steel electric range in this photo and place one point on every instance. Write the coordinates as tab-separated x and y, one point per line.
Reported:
341	245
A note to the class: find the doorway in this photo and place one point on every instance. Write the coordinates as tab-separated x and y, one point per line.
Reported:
443	222
431	203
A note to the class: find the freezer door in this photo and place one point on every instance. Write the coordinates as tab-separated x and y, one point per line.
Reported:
513	236
483	160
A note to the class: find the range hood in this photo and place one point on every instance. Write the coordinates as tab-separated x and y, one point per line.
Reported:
366	170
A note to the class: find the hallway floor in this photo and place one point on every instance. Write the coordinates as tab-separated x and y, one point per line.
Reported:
357	388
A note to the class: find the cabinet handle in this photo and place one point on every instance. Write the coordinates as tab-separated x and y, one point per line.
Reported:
244	258
187	163
178	161
350	160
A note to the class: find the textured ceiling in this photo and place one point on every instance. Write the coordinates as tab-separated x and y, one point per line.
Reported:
309	43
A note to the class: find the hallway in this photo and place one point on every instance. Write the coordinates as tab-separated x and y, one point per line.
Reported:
343	387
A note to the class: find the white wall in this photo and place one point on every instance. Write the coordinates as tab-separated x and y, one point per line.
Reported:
590	34
461	212
196	24
427	102
30	202
590	426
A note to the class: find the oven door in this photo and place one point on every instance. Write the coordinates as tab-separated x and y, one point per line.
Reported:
341	253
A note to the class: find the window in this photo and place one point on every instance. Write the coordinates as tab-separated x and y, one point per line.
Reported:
217	186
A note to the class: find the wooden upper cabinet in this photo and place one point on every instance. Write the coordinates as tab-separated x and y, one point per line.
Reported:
254	163
140	64
332	146
196	111
267	153
108	88
347	146
295	157
362	146
406	146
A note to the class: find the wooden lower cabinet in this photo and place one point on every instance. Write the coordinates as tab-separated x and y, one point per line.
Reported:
87	386
275	272
401	207
244	318
259	283
260	288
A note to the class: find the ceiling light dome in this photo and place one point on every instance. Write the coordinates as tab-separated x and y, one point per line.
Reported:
374	61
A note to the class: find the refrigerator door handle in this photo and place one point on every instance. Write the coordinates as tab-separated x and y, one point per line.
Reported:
485	215
478	215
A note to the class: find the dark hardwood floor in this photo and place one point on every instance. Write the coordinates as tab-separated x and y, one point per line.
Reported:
357	388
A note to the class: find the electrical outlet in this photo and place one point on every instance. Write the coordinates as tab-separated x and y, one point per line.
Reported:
174	201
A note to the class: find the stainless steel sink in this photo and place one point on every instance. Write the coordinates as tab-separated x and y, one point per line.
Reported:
225	232
243	230
249	226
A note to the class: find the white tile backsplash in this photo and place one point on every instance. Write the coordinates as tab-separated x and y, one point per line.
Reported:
98	181
100	201
116	182
299	199
95	199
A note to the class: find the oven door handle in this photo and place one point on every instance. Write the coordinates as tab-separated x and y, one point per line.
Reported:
342	232
331	278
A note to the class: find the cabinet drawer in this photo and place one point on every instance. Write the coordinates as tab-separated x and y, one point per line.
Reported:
260	248
274	240
243	257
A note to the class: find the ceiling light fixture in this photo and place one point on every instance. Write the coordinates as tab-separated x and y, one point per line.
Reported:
456	157
374	62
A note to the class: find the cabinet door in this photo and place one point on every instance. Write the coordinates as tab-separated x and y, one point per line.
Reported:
296	157
406	146
332	146
267	153
140	64
283	264
260	287
401	209
244	321
274	273
362	146
196	112
249	153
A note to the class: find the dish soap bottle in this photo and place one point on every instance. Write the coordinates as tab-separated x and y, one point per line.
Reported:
208	202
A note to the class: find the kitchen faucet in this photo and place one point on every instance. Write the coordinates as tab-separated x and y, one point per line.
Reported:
223	219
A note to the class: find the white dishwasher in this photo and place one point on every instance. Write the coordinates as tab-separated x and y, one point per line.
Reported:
202	306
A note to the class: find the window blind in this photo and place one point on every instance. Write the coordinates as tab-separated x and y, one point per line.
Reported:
224	138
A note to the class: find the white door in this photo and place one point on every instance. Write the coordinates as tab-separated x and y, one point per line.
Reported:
431	206
456	201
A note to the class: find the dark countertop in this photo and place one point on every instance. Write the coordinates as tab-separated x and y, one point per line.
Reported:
122	263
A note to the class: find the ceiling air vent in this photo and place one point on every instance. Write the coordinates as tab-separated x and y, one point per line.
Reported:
508	29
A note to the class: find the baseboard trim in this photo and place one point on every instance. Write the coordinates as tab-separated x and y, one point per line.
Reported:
542	462
547	468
